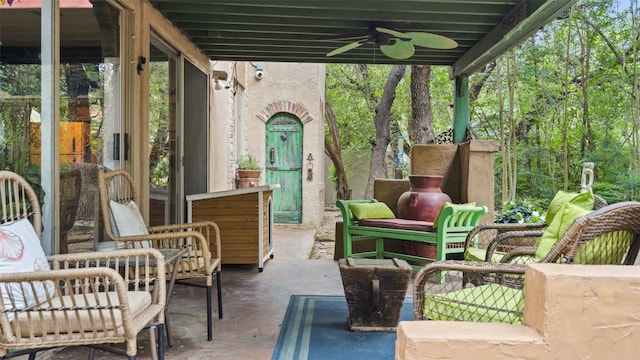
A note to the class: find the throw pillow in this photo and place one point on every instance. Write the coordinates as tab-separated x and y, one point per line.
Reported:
371	210
561	222
449	205
607	249
128	221
21	251
584	200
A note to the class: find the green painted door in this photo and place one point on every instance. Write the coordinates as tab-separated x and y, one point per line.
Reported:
284	167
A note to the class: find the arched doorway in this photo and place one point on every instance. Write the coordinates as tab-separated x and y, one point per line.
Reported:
284	166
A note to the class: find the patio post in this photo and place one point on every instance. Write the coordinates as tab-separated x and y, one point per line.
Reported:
460	107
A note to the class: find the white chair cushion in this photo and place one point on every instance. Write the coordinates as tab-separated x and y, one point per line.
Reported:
79	321
21	251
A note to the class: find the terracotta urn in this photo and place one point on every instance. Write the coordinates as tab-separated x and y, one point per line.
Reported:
424	199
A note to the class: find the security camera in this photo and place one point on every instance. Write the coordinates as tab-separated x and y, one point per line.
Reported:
259	75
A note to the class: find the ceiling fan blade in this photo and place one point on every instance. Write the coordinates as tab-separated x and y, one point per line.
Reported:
398	34
433	41
346	48
400	50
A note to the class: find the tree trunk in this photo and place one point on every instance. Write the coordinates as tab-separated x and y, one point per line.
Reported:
381	120
421	123
332	149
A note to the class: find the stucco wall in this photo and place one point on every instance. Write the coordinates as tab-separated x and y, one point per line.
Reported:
291	87
467	169
298	89
221	132
571	312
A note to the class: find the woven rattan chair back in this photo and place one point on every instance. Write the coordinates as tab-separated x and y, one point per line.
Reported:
609	235
18	201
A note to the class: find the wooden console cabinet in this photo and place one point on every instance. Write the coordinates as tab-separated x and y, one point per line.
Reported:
245	218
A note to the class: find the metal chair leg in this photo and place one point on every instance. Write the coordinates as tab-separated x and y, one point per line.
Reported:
168	328
160	342
209	315
219	283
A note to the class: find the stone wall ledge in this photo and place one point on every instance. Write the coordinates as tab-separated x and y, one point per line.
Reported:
478	341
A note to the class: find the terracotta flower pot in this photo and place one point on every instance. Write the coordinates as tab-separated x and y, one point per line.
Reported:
248	178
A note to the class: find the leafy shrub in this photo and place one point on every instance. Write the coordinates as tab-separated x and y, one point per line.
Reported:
613	193
520	211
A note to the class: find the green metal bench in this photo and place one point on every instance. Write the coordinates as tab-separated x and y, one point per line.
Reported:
449	235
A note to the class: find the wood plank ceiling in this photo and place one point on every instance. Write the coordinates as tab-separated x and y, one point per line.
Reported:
306	30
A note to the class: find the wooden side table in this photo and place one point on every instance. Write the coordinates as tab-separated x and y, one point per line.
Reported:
375	290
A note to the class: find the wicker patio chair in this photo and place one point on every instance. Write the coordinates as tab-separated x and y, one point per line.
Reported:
610	235
70	299
508	243
201	239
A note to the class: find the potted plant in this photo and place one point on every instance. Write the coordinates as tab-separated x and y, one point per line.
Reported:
248	172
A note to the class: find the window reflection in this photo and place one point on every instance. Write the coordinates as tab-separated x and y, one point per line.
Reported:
90	103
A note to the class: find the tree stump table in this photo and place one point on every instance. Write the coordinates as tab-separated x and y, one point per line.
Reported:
375	290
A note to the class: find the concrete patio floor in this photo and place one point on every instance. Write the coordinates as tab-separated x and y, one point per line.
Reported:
254	304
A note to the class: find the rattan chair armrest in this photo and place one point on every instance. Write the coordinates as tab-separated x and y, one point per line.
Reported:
208	229
516	238
183	226
521	252
429	270
168	240
498	228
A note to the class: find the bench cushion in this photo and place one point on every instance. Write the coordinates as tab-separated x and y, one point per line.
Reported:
485	303
401	224
372	210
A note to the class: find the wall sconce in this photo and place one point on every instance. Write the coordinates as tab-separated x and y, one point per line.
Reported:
220	80
310	167
221	84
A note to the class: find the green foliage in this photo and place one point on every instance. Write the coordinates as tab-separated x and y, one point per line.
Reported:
588	86
520	211
248	162
612	193
160	173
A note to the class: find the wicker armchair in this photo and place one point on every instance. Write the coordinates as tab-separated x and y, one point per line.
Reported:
85	299
610	235
201	239
508	243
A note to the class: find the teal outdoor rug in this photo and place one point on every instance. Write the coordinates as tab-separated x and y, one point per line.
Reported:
316	327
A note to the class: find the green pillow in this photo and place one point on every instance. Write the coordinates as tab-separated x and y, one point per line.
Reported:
372	210
584	200
449	205
560	223
607	249
476	254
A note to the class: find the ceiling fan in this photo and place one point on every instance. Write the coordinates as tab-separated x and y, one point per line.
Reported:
395	44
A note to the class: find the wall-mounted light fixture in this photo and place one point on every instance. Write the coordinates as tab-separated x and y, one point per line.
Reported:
221	84
310	167
219	79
